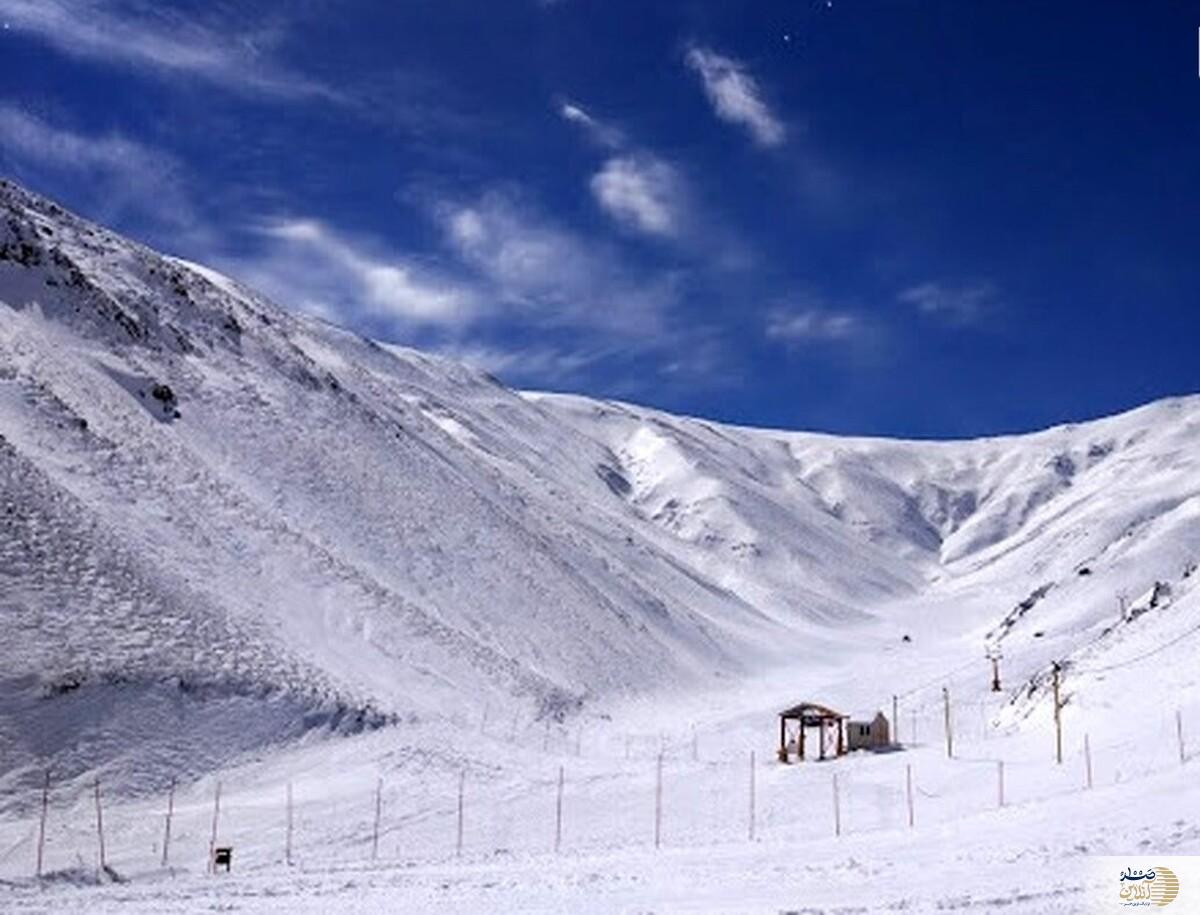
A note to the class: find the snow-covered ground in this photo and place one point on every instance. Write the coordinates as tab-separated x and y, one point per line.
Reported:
243	546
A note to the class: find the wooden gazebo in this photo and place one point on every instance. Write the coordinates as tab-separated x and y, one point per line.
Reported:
797	719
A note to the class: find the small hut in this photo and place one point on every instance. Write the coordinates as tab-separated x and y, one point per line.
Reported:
795	721
869	735
836	732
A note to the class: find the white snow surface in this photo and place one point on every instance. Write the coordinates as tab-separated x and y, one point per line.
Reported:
243	546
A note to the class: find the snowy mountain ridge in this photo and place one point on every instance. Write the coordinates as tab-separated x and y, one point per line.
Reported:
224	526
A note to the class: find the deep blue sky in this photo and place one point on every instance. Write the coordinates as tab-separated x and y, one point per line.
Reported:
915	218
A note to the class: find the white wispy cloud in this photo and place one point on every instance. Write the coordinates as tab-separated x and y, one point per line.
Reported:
146	36
735	95
641	192
954	303
813	324
599	131
308	265
123	175
541	268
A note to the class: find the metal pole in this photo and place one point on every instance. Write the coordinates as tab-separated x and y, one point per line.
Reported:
1000	783
167	828
41	843
100	826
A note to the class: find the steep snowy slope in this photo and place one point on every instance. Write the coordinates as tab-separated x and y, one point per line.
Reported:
223	526
208	499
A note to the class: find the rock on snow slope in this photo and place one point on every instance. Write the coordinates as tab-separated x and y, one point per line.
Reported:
223	525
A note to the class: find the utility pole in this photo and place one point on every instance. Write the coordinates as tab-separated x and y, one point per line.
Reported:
1058	756
994	656
946	713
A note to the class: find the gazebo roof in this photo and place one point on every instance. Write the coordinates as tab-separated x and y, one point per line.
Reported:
811	710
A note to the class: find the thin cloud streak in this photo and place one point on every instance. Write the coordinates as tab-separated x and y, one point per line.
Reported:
143	37
953	303
735	95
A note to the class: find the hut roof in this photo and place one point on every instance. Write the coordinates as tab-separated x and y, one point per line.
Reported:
811	710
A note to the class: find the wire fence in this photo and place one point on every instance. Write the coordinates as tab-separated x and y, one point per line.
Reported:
604	802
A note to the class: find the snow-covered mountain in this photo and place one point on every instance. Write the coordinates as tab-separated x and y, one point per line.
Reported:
224	525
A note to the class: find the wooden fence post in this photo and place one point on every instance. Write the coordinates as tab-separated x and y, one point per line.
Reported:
378	812
895	720
458	843
753	805
946	714
212	841
167	828
1058	754
1179	736
287	848
558	812
837	808
41	843
658	786
100	827
1087	760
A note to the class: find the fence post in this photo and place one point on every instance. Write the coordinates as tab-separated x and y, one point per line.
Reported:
946	713
558	813
837	808
100	827
895	720
908	791
753	806
458	843
695	745
1087	759
378	812
167	828
1179	735
212	841
1000	782
287	848
1058	756
41	843
658	784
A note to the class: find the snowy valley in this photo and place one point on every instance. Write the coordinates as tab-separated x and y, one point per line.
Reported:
473	632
